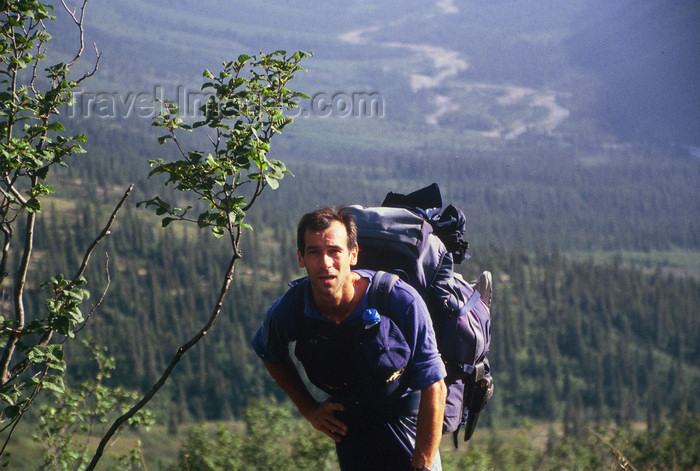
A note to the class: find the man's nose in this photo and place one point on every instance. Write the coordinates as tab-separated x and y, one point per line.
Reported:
327	260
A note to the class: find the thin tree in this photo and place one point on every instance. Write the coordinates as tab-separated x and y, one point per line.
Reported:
244	111
32	144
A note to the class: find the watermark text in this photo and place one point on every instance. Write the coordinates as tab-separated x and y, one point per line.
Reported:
197	105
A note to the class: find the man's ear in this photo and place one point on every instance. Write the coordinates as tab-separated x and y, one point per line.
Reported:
353	256
300	258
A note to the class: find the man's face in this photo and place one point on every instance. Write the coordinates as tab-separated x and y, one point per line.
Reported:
327	259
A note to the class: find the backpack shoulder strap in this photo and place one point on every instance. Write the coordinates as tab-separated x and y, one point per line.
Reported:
298	288
379	291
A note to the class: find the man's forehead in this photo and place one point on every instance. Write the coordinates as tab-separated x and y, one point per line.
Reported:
335	234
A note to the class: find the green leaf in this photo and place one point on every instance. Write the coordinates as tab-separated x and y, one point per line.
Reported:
33	205
50	354
272	182
54	383
56	126
62	326
43	172
33	381
11	412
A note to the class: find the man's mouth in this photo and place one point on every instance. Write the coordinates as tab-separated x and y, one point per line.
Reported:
326	278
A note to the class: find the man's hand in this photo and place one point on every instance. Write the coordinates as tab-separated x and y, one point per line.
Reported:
322	417
320	414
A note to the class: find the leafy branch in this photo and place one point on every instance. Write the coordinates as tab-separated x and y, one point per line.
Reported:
33	143
64	319
621	458
245	110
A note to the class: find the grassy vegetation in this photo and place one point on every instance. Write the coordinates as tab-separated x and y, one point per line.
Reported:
160	445
544	446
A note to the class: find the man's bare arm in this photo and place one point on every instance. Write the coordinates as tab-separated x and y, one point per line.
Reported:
429	428
319	414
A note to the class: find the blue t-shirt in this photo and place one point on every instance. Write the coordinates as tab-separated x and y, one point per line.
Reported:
406	309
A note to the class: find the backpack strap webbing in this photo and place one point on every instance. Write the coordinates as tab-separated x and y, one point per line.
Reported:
378	294
299	287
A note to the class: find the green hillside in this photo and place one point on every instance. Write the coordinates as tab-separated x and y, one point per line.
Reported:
569	188
591	229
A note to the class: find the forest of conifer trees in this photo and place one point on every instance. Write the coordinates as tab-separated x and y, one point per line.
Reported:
594	244
573	339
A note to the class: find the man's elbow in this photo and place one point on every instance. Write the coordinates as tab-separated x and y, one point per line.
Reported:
437	390
441	390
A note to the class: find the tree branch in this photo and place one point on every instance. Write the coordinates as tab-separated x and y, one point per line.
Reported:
78	20
19	301
20	367
7	231
99	301
104	232
621	458
13	424
168	370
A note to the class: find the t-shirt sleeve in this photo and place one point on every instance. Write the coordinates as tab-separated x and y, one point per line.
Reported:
426	366
271	341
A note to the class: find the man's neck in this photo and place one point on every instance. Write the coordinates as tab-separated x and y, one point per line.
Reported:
338	308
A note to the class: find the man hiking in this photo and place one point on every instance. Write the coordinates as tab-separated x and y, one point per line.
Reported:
381	370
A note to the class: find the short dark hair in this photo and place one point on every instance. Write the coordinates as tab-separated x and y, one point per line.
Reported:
321	219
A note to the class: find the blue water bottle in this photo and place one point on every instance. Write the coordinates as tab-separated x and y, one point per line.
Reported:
370	318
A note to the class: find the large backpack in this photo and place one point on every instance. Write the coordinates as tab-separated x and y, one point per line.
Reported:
411	237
